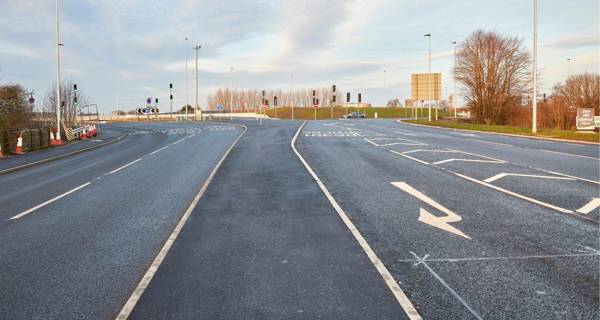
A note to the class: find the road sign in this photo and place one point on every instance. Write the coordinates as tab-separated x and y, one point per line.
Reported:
149	100
585	119
220	107
31	100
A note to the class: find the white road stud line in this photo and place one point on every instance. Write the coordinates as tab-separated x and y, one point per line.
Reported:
400	296
592	205
426	217
570	154
456	295
566	175
409	157
502	175
20	215
124	166
467	160
145	281
514	194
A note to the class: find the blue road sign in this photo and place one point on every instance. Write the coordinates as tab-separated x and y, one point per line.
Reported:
220	107
149	100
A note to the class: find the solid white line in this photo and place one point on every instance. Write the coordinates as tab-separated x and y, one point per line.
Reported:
492	142
468	160
143	284
421	150
514	194
400	296
570	154
478	155
502	175
409	157
178	141
125	166
570	176
456	295
595	203
49	201
159	150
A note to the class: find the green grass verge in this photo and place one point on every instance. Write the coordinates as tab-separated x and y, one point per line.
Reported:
525	131
324	113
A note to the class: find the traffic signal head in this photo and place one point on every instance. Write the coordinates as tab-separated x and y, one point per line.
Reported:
171	97
334	98
333	88
170	86
314	93
348	97
275	100
75	86
359	98
264	93
156	101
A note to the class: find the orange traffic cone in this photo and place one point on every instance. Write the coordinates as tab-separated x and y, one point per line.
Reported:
52	140
1	153
19	148
84	133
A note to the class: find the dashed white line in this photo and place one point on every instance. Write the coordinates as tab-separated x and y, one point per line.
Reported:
400	296
570	154
124	166
159	150
20	215
502	175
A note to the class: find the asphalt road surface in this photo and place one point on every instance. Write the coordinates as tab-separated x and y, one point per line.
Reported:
349	219
81	255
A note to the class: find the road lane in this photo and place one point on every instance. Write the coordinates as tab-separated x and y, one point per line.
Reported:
522	261
264	243
81	256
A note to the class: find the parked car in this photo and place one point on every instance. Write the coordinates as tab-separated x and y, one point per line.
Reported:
354	115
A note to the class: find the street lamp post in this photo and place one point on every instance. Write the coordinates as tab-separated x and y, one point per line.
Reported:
231	96
196	48
58	44
291	97
429	77
454	84
534	111
187	86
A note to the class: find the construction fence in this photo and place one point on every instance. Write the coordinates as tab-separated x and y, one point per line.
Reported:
33	139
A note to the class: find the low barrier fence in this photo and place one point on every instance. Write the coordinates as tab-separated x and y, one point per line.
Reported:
33	139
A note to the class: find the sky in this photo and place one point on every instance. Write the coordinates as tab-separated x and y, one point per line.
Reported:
121	52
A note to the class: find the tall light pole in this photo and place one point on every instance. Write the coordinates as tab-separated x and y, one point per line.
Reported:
291	97
187	85
196	48
454	78
429	76
231	95
534	111
58	44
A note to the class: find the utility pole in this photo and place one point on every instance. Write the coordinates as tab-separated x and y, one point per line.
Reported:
291	97
231	96
429	77
196	48
171	99
534	111
58	44
187	85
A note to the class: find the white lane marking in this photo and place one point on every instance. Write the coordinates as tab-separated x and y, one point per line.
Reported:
462	134
428	218
159	150
478	155
145	281
400	296
502	175
468	160
549	256
20	215
423	150
178	141
566	175
570	154
492	142
433	273
514	194
595	203
409	157
406	134
124	166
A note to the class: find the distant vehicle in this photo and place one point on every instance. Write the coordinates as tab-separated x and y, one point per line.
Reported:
354	115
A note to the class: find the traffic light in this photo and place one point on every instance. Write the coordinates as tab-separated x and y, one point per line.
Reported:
75	87
333	88
170	86
264	93
314	93
156	101
275	101
359	98
334	98
544	97
171	97
348	97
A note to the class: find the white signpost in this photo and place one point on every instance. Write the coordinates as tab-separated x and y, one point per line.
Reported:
585	119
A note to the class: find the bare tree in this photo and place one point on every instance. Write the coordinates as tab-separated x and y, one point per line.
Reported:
494	71
69	108
250	100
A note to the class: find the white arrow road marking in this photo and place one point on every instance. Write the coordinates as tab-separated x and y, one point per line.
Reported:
595	203
426	217
502	175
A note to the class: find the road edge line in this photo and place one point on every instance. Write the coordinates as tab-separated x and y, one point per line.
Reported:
501	134
72	153
400	296
153	268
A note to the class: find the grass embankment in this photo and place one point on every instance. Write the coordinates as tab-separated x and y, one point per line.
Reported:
525	131
324	113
